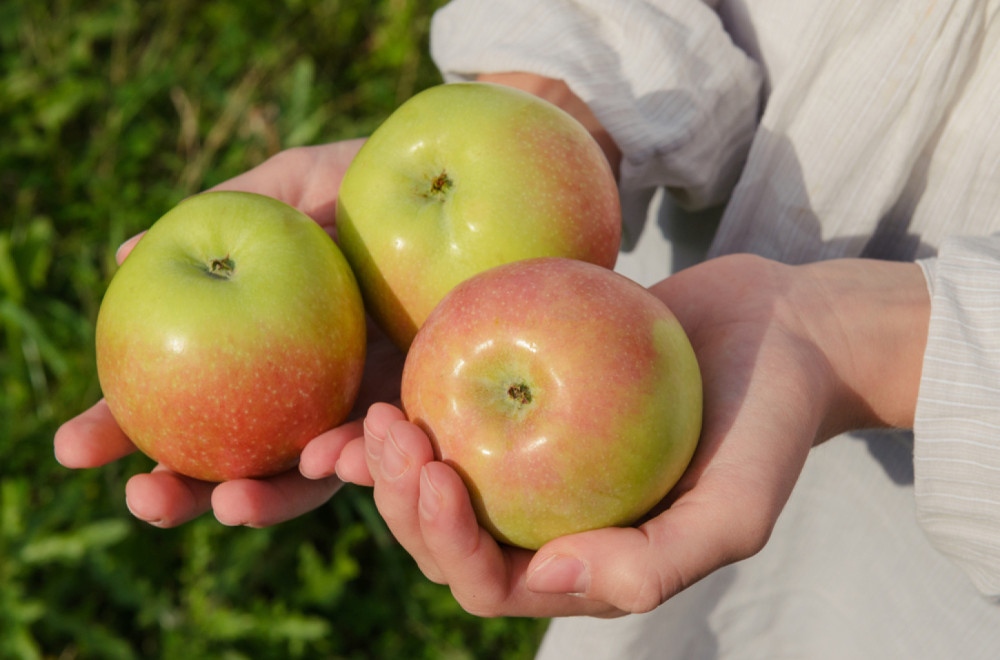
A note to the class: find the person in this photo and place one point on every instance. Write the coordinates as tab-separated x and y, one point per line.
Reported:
844	499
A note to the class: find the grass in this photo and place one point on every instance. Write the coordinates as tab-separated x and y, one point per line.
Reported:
113	111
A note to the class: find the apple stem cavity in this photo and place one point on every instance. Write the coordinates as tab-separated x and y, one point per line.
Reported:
221	268
440	185
520	393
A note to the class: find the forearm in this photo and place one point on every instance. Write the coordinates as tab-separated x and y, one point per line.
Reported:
870	319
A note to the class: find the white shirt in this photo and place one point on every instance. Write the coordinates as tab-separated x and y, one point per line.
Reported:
827	129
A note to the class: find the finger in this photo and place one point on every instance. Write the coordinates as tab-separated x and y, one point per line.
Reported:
265	502
397	489
486	578
616	566
470	560
376	425
353	464
91	439
319	457
167	499
126	248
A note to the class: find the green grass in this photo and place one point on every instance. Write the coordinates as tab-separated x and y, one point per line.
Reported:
113	111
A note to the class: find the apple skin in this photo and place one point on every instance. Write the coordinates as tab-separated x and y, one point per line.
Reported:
220	377
463	177
567	397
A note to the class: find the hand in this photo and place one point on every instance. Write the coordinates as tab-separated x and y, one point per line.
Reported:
790	356
307	178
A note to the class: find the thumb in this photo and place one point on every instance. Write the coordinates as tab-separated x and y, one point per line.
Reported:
125	248
638	569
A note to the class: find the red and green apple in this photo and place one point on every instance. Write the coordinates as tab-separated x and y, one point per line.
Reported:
567	397
463	177
232	334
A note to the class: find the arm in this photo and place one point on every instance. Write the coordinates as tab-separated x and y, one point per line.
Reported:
956	455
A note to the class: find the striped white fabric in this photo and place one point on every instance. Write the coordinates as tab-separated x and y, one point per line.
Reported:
835	128
660	83
957	453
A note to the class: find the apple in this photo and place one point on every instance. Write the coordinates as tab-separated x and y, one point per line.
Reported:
566	396
463	177
232	335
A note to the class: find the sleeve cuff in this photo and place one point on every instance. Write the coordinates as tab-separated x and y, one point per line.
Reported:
957	424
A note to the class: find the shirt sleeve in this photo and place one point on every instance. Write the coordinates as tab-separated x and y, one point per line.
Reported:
957	422
663	77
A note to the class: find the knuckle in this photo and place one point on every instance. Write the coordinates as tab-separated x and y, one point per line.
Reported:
642	590
751	538
646	600
432	572
641	594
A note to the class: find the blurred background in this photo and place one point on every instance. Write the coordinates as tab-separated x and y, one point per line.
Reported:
111	112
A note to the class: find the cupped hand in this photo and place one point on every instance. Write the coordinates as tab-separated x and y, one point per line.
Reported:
781	372
307	178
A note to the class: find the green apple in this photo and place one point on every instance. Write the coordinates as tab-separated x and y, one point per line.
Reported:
232	335
463	177
567	397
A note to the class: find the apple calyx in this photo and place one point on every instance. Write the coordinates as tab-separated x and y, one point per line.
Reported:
221	268
520	394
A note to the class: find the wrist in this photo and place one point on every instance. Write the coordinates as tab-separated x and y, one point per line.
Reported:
870	320
558	93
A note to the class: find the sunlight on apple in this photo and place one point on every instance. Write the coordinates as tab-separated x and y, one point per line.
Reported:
176	344
527	345
484	346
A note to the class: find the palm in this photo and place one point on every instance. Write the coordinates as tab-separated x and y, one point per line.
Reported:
765	381
763	408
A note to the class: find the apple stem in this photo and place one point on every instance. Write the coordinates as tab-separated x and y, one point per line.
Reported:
520	392
221	268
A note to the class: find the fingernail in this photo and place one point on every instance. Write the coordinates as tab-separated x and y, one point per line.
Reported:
394	462
306	470
121	248
430	496
560	574
155	522
313	476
